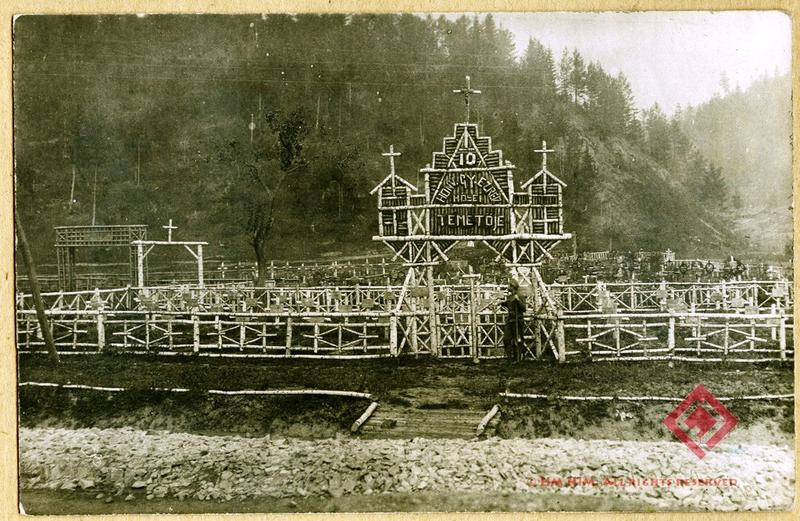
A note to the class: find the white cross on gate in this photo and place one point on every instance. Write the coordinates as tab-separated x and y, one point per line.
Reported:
391	154
169	229
466	91
544	150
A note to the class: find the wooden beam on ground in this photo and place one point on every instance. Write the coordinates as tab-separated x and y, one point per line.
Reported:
246	392
486	419
364	417
640	398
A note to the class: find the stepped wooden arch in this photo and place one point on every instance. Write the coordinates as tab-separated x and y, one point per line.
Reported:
470	194
474	202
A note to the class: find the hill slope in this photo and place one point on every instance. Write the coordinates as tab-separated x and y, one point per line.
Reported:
748	134
160	108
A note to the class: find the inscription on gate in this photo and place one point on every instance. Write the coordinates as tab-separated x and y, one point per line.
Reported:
469	187
469	203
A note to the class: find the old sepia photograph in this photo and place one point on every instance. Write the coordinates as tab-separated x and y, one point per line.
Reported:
404	262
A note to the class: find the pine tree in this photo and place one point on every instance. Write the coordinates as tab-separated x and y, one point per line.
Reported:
577	78
538	72
657	134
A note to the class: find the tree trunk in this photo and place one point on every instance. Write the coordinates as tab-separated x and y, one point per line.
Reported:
37	296
262	266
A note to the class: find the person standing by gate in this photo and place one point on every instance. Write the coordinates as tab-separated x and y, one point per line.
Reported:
515	322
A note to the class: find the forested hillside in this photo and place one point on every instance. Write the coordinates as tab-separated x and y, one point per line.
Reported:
748	134
160	106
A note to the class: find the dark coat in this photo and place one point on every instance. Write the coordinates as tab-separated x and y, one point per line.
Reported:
515	326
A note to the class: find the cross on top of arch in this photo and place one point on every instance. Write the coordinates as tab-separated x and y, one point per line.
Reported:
467	90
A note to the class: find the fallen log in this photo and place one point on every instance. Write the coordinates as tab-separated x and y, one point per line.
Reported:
364	417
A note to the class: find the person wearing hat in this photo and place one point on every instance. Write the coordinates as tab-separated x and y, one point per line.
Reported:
515	322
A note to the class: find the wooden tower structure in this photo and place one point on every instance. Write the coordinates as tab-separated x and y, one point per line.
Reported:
470	194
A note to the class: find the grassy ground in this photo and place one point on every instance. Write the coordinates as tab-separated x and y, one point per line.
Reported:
388	378
400	383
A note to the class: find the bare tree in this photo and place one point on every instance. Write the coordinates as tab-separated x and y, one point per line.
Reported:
261	170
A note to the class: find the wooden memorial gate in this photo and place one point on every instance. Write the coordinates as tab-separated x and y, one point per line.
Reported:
470	194
71	238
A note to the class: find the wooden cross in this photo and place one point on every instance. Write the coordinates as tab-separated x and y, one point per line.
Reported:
169	229
544	150
466	91
391	154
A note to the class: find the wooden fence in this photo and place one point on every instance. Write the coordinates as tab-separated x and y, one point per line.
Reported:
709	337
467	320
751	296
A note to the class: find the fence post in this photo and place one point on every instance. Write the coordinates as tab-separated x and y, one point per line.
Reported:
393	334
671	336
726	340
782	336
98	304
644	334
288	335
195	330
589	337
562	355
101	330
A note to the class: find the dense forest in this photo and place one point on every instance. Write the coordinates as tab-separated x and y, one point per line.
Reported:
747	133
263	134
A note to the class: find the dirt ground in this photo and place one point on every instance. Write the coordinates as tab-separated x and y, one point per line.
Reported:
388	378
406	383
59	503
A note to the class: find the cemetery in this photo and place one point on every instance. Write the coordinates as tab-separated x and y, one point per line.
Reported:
356	364
401	306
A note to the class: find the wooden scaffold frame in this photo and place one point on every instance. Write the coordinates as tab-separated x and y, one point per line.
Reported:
70	238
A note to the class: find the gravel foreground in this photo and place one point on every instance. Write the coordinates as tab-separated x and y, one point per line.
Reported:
138	466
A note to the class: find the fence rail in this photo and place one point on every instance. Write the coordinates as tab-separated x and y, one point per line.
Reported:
682	336
366	269
749	296
375	321
675	296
